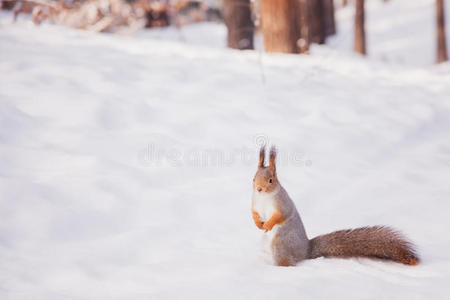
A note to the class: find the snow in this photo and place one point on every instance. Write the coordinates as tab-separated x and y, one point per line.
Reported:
127	165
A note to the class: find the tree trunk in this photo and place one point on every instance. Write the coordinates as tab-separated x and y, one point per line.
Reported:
441	42
238	19
280	20
360	34
317	17
304	26
330	25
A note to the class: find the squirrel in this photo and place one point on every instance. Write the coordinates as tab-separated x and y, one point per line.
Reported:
274	212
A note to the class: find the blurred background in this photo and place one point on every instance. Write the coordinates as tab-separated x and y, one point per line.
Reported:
396	31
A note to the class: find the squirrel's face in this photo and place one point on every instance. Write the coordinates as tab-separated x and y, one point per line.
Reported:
265	180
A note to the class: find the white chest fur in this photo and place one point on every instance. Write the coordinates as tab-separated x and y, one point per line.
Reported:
264	205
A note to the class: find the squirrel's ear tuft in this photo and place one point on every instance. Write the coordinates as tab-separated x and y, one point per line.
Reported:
272	158
262	155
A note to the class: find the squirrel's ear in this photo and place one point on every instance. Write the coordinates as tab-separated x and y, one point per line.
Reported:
272	158
262	155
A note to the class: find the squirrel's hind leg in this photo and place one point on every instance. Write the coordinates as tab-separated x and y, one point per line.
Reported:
284	261
282	253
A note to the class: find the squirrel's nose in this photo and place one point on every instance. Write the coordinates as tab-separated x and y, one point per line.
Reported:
259	189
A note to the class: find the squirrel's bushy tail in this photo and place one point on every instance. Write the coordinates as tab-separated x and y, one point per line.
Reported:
373	242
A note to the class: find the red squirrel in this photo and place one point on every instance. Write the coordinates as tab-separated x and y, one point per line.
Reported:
275	213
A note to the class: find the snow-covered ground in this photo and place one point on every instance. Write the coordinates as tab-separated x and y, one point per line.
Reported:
127	164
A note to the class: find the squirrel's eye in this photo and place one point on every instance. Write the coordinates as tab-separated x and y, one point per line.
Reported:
270	180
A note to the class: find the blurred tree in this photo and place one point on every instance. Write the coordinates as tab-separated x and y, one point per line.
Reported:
322	22
328	15
304	41
290	26
280	22
318	23
360	34
238	19
441	41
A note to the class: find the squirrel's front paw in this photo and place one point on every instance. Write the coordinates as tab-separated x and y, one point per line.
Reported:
259	224
267	226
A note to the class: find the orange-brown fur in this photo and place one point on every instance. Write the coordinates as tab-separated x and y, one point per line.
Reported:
257	220
265	174
276	219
